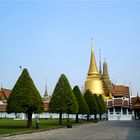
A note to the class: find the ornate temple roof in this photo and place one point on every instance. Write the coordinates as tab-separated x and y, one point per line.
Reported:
121	91
4	93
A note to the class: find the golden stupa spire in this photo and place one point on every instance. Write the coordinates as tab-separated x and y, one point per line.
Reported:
93	82
100	63
93	71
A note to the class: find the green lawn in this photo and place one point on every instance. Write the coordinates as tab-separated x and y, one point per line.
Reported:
11	127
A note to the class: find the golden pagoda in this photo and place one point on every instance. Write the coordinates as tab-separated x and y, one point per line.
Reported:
107	85
93	81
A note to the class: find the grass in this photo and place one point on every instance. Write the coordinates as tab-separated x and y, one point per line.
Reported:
12	127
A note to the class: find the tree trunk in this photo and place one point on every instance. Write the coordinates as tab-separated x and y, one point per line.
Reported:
87	117
100	116
95	117
77	120
60	118
29	121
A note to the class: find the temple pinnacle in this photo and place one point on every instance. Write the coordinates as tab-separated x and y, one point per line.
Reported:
93	82
100	63
93	67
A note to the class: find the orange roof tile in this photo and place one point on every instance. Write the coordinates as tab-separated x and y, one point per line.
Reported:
119	88
126	89
4	93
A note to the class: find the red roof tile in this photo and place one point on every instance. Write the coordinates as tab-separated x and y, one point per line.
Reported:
4	93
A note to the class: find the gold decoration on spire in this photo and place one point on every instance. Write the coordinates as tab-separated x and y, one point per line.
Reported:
93	67
107	85
93	82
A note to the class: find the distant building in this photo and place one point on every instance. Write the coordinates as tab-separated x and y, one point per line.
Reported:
4	94
46	99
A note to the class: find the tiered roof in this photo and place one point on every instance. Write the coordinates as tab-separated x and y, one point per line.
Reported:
4	93
121	91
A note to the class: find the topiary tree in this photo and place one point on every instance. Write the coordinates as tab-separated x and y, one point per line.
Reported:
96	110
100	106
25	98
91	102
82	105
63	99
103	103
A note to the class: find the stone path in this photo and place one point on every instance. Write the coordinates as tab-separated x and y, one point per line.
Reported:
108	130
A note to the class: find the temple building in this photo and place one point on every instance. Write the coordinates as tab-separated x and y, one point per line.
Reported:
4	94
46	99
97	82
121	105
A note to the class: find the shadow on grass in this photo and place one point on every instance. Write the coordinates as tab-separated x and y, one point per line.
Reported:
11	127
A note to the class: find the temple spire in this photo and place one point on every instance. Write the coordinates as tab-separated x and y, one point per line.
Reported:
93	81
137	94
105	70
92	67
46	91
100	63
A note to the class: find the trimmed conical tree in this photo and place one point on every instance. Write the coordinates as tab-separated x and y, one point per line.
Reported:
96	109
25	98
91	102
82	105
63	99
103	103
100	106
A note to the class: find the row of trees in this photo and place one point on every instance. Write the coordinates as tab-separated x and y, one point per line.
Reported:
66	100
25	98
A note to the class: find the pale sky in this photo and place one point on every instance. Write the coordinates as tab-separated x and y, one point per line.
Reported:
54	37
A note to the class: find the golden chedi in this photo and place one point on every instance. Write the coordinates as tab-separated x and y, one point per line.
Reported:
93	82
107	85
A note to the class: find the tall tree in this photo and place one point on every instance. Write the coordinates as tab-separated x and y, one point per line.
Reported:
91	102
25	98
96	109
103	103
100	106
82	105
63	99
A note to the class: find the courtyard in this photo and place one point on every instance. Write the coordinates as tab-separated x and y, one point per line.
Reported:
104	130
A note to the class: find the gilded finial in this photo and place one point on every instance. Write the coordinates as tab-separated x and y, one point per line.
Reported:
93	67
100	63
92	45
46	92
100	69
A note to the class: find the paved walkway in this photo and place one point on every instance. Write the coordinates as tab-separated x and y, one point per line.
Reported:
108	130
